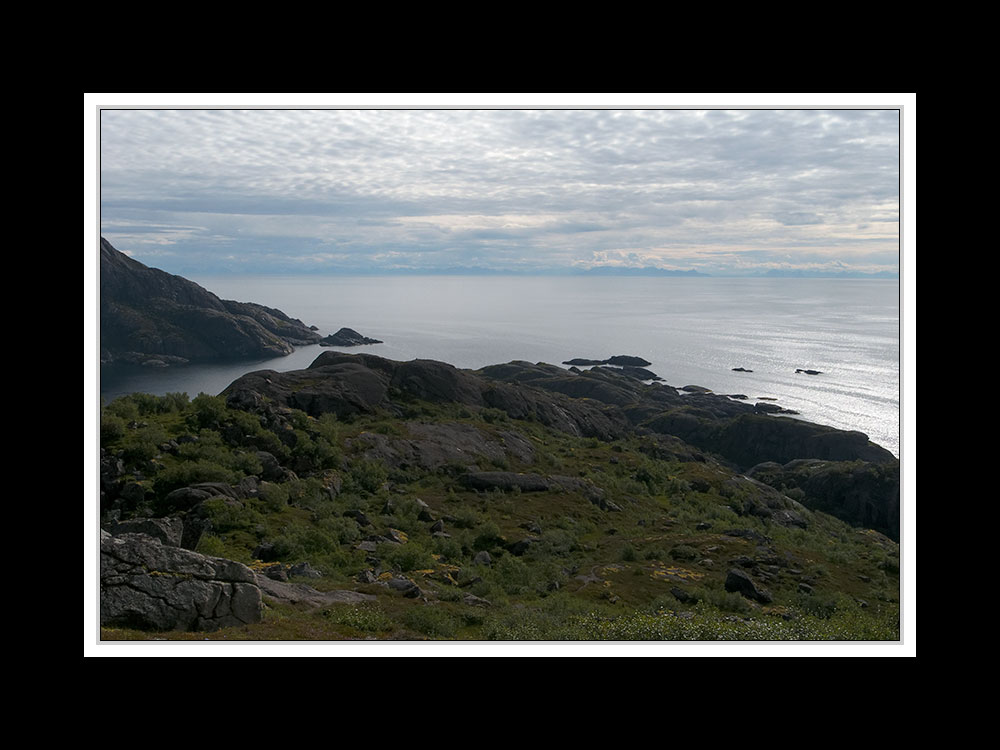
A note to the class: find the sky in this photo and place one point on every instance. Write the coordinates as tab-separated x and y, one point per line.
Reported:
525	189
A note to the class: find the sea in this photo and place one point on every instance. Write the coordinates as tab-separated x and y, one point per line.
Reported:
693	331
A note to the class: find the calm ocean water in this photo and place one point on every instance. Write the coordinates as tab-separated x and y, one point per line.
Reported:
693	330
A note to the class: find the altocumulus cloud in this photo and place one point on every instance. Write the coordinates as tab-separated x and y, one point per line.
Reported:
720	191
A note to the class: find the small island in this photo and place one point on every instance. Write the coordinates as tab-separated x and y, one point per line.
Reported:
347	337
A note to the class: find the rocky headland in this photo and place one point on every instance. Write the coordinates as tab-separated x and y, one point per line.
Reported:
150	317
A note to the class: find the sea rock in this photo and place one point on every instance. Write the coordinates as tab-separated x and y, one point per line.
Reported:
347	337
620	360
146	584
625	360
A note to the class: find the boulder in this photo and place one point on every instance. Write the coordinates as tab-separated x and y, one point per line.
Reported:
168	531
146	584
738	581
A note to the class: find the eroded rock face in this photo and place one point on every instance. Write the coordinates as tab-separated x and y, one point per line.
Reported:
150	585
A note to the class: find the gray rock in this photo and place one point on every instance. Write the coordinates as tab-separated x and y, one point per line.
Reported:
505	480
298	593
482	558
358	516
149	585
405	586
168	531
738	581
476	601
304	570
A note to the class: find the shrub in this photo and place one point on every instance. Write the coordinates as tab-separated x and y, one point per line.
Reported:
211	545
273	496
488	537
365	476
405	557
112	428
208	411
684	552
368	618
433	621
142	444
227	515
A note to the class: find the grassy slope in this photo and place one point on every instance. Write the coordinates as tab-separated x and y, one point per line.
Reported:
591	574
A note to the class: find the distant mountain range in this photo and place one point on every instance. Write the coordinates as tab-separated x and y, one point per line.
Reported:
151	317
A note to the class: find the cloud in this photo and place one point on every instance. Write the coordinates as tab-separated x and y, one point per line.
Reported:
526	188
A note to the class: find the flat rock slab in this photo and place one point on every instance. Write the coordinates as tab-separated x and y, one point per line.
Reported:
297	593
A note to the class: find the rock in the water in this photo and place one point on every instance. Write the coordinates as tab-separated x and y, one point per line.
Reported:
347	337
625	360
620	360
146	584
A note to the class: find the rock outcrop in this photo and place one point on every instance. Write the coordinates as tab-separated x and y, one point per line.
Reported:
154	318
603	402
151	585
347	337
860	492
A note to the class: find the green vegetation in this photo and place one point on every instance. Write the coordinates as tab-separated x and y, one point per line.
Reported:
651	564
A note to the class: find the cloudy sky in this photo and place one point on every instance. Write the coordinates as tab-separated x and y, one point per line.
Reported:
721	191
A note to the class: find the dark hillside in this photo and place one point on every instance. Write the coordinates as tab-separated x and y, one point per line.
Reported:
368	498
152	317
